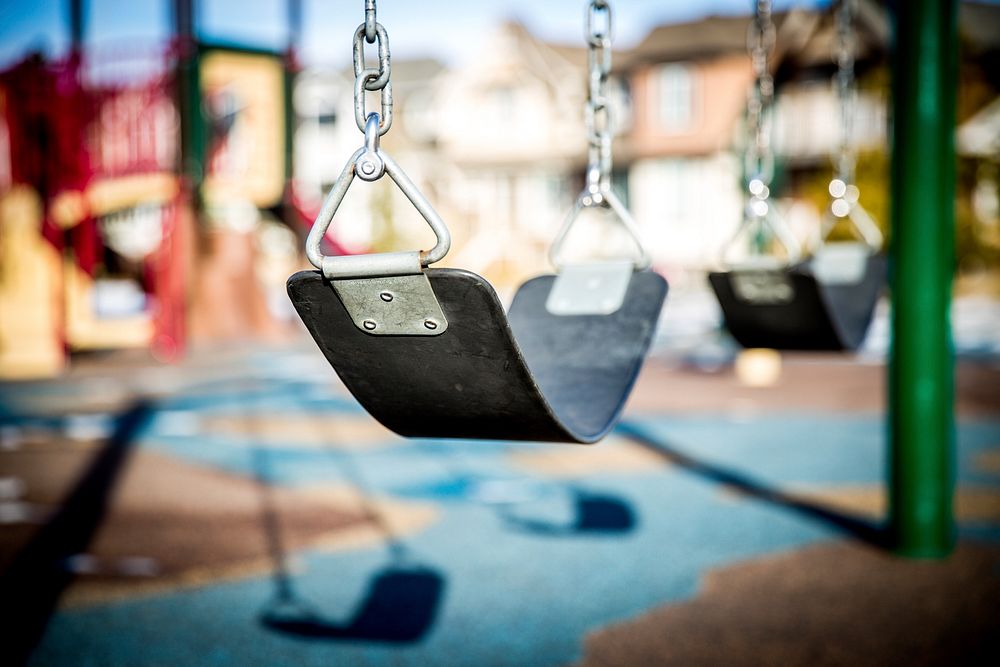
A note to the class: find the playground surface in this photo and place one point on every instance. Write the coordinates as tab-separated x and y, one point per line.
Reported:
241	509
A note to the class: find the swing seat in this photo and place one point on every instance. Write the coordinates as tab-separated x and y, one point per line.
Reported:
527	375
798	307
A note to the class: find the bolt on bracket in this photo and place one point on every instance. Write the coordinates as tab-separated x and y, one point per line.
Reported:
392	305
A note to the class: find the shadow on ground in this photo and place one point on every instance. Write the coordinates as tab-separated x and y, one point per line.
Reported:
401	601
32	585
871	533
593	513
400	605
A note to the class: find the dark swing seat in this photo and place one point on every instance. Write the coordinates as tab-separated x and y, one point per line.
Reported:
773	299
792	309
528	375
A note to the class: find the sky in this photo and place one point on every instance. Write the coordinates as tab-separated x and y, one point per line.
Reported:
445	29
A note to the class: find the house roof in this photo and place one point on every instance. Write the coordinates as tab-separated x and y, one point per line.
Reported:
571	54
711	36
871	31
806	37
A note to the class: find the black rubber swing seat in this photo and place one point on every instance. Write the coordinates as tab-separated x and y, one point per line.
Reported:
527	375
792	309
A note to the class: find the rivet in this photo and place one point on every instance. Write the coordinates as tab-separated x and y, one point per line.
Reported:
431	324
369	324
386	296
368	167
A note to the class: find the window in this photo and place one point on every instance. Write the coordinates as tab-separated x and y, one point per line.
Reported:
676	97
502	102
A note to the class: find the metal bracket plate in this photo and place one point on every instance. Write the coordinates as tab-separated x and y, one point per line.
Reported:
392	305
841	263
762	287
594	288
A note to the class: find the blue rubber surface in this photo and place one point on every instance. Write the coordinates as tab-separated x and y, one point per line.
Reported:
494	583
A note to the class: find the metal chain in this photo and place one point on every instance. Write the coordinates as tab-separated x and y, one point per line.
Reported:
845	193
842	187
760	45
369	78
597	112
759	155
597	115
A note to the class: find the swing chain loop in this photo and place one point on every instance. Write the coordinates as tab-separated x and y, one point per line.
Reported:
597	112
370	166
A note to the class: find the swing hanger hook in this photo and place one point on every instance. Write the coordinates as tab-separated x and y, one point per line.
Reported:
370	166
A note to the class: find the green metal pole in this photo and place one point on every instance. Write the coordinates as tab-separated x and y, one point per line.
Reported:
921	367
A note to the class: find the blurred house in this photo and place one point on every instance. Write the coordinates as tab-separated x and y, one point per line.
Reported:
807	126
510	125
688	85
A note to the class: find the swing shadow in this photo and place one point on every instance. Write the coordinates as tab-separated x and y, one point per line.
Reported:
862	529
399	605
594	513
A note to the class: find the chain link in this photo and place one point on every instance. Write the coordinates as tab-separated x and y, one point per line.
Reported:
361	113
597	112
370	21
368	78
